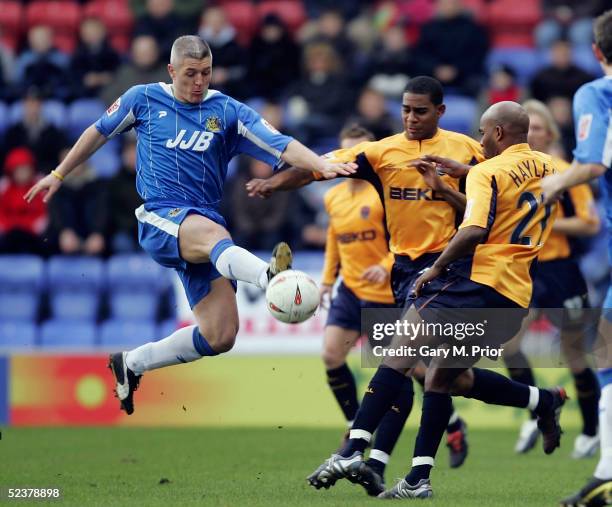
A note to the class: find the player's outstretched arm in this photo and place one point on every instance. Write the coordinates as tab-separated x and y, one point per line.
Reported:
555	184
298	155
90	141
288	179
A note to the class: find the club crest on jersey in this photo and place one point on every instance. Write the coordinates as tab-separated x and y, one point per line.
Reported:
365	212
113	107
213	124
174	212
198	141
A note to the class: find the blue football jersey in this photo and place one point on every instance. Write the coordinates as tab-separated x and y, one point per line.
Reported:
183	149
593	120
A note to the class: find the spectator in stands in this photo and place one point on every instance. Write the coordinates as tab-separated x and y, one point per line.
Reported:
503	86
94	62
78	218
121	201
231	64
561	110
36	133
274	59
321	100
145	67
330	28
568	19
392	62
21	225
162	23
452	48
373	115
42	65
258	224
561	78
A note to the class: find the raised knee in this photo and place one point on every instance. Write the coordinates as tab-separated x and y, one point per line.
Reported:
223	341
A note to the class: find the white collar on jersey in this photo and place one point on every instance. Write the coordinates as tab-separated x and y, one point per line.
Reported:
170	91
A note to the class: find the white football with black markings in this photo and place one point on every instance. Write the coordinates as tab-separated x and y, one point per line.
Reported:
292	296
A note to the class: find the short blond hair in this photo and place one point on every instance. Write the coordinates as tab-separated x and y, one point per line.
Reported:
533	106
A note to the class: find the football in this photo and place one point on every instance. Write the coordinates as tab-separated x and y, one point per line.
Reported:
292	296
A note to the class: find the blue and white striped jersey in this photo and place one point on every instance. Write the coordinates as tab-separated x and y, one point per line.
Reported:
593	119
183	149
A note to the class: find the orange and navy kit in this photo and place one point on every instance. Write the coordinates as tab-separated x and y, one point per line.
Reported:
558	281
419	222
356	240
504	196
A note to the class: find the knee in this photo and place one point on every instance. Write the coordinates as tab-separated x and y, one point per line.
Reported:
223	340
436	381
333	357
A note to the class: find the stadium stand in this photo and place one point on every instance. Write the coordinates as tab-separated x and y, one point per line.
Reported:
75	287
16	334
126	334
66	333
22	280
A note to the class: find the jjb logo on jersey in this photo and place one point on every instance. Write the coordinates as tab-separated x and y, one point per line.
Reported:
198	141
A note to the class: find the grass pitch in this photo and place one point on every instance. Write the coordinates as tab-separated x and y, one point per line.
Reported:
262	467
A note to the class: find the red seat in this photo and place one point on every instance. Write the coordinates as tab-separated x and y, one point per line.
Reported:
511	23
62	16
11	23
290	11
115	14
243	16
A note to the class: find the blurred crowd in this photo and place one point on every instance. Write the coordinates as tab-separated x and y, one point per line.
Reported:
309	66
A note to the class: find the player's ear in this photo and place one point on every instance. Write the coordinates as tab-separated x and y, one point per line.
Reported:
171	70
441	110
598	54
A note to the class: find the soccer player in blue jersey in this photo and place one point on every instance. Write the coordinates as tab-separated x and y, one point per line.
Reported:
187	134
593	159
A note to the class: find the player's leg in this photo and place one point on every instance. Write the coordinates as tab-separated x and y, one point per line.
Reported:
383	389
337	343
587	390
217	317
436	411
520	370
203	240
456	430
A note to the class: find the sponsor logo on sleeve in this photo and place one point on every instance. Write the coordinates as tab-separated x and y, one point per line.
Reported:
113	107
584	126
266	124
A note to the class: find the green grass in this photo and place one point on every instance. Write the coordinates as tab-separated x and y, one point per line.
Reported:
262	467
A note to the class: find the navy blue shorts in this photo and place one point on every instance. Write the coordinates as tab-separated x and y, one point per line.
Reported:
560	284
345	309
158	227
457	299
404	273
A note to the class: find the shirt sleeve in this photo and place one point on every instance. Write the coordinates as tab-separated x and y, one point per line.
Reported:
257	138
592	119
331	264
121	114
387	262
481	195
